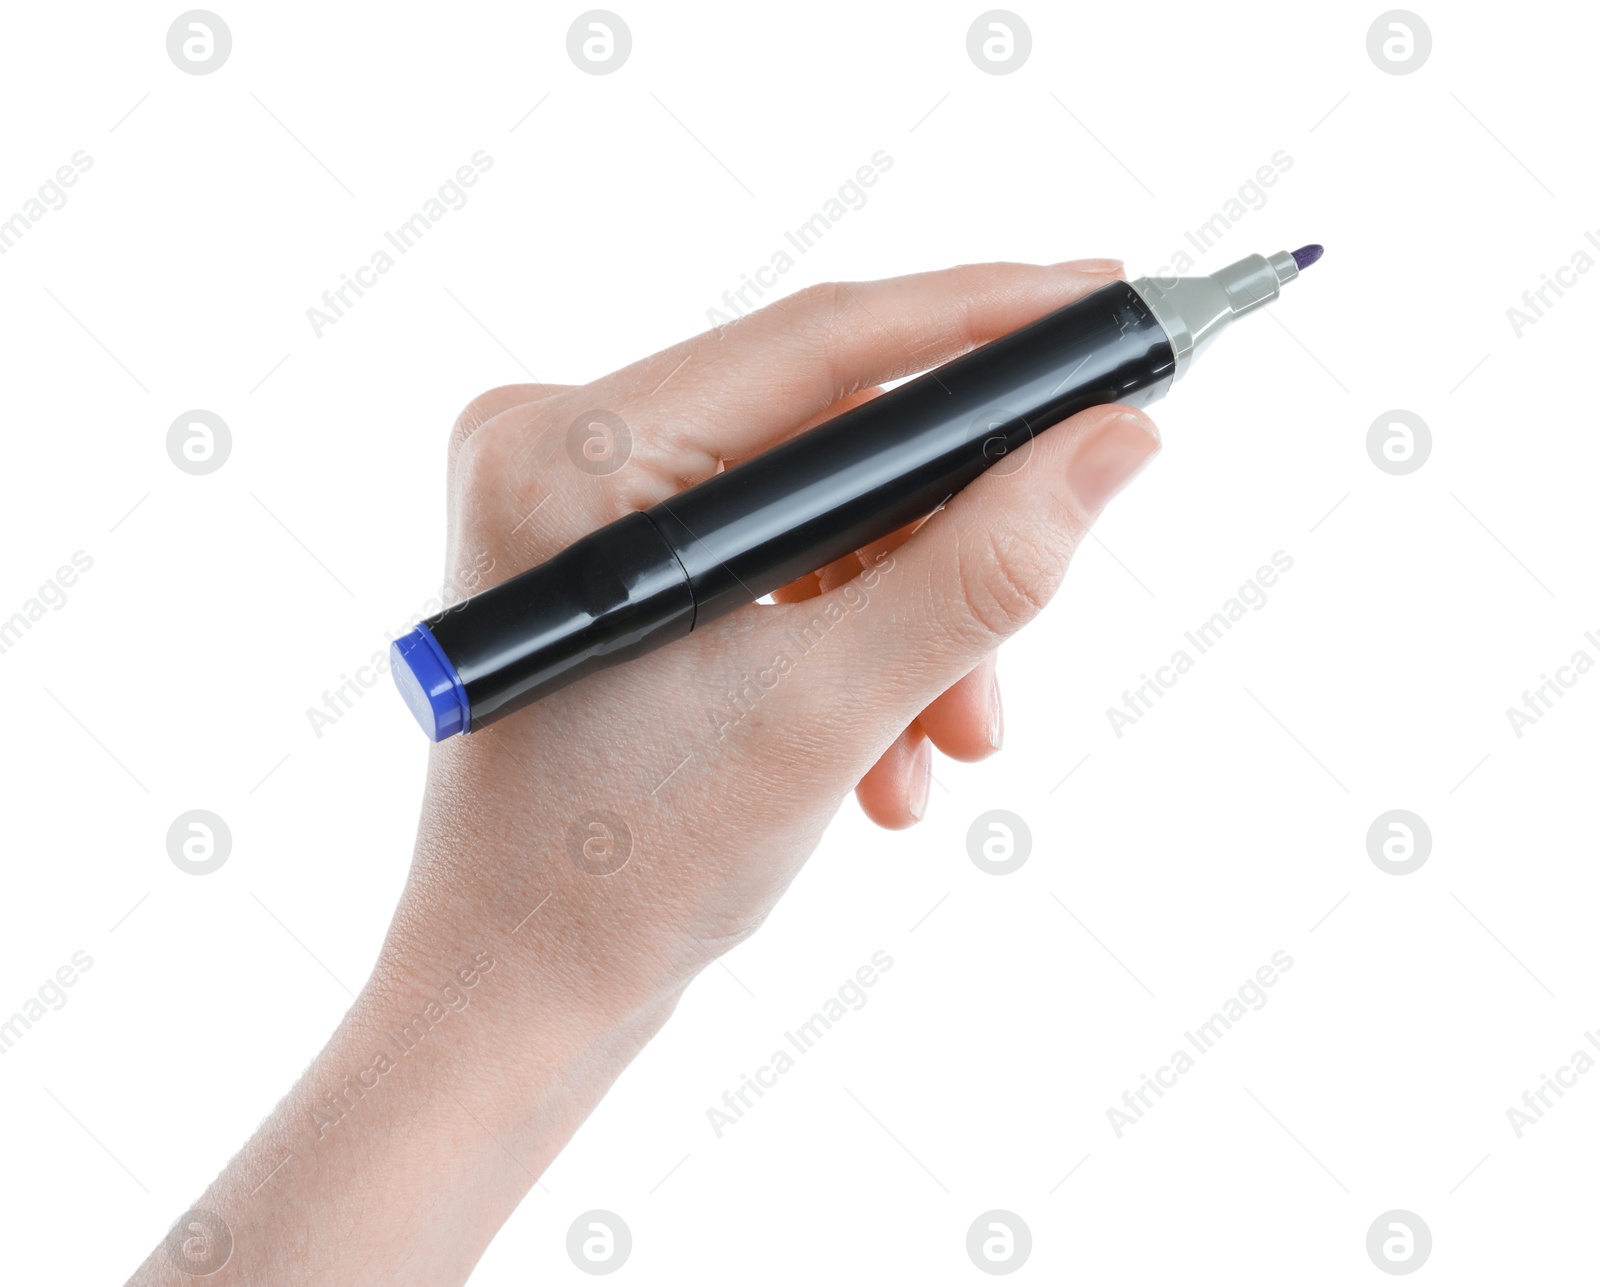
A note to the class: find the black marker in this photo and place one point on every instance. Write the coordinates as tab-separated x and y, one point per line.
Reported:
654	576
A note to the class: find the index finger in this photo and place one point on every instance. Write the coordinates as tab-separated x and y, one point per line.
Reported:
733	391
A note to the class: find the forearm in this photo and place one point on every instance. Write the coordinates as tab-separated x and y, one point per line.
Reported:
414	1133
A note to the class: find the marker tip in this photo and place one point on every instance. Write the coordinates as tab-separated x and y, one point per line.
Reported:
1306	256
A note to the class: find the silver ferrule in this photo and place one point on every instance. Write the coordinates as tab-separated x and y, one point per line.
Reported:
1194	310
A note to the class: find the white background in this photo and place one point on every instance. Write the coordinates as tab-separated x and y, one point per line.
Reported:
1171	863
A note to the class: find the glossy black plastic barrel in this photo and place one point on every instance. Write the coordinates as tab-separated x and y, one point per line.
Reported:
651	578
862	475
605	598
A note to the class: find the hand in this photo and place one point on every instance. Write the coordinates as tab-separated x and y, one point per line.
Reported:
690	754
603	845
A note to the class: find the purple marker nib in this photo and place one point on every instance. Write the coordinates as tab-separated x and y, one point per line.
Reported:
1306	256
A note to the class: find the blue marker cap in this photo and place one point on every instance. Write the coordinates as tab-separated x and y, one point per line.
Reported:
430	685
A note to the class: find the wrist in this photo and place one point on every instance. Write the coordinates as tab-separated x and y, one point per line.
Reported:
506	1017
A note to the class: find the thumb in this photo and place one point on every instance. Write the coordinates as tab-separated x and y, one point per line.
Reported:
984	566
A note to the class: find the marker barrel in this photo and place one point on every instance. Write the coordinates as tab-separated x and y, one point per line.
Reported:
652	577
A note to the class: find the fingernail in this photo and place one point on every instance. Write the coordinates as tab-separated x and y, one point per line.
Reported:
996	713
1107	460
1092	265
921	779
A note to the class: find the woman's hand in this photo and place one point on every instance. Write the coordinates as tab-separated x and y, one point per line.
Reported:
601	847
705	772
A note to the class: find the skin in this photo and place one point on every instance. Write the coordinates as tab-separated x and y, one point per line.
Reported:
592	928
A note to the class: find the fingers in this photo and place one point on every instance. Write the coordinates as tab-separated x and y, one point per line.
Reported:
894	792
808	586
978	570
733	391
729	394
849	566
844	568
965	720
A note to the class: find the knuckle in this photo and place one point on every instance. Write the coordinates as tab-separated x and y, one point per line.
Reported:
472	416
480	462
825	317
823	301
485	407
503	462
